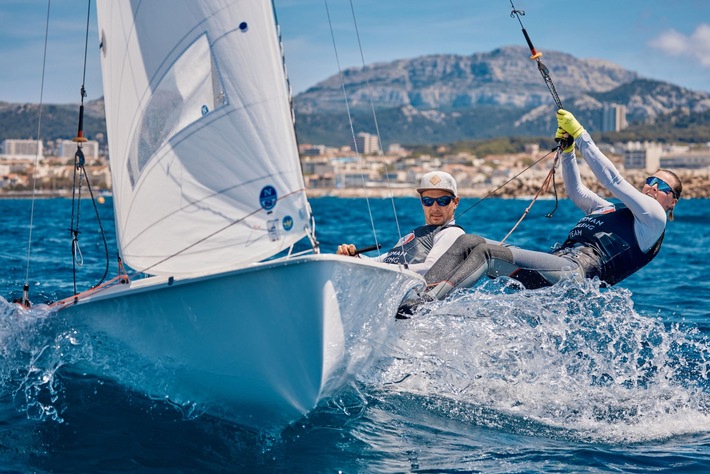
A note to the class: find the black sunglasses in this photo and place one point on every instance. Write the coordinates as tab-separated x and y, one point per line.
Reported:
662	185
442	201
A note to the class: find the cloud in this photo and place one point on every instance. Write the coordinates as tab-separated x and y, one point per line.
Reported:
696	46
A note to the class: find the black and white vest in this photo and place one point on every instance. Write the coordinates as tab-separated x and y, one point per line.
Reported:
415	246
612	251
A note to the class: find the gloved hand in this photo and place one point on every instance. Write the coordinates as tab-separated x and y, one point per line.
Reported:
569	124
565	140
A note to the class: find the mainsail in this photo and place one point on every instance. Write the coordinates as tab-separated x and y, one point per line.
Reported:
204	161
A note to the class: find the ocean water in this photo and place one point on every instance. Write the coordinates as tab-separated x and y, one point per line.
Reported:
572	378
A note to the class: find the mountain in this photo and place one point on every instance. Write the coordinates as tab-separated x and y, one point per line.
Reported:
58	121
503	77
445	98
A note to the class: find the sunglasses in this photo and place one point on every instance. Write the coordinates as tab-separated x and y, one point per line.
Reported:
442	201
662	185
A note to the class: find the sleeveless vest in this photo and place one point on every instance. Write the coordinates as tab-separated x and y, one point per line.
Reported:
415	246
608	246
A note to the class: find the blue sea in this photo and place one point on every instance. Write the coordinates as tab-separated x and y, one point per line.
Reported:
572	378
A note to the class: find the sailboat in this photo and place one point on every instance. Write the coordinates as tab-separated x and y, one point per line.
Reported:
210	205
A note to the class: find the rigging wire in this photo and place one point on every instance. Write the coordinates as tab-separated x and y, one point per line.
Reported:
311	232
350	119
544	187
493	192
561	143
25	300
535	56
377	129
80	175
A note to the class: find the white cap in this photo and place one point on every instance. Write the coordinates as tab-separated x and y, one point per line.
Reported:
437	180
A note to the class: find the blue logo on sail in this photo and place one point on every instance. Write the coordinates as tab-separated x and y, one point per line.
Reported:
268	197
287	222
205	110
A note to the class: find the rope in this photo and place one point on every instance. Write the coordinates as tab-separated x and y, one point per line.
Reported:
491	193
25	301
536	55
76	210
80	175
350	119
101	228
545	73
545	186
379	136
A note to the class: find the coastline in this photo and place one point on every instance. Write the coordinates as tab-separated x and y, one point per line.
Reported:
696	184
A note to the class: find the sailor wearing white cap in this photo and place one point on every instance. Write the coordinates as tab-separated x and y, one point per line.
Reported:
419	249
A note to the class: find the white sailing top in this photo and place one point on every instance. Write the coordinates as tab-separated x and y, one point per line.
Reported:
649	216
443	240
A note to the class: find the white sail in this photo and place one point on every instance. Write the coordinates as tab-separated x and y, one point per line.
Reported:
207	183
192	198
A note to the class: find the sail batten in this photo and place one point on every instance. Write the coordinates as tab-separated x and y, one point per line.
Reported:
203	154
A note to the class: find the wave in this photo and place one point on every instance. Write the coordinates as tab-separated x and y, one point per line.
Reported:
573	360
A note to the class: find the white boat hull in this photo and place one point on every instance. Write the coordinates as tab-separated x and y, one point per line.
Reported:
260	346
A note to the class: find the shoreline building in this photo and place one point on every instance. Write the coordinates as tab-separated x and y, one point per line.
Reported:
67	149
21	150
645	156
686	158
613	118
366	143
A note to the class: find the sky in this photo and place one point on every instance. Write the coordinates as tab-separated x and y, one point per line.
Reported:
659	39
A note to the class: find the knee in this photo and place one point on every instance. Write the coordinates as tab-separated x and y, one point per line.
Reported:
495	251
469	241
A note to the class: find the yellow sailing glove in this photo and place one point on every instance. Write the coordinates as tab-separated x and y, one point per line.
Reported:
565	140
569	124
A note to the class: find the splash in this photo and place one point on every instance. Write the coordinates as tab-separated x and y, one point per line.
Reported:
33	348
40	351
574	358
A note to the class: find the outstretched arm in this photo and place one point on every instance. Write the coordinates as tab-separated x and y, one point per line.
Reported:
648	213
583	197
645	208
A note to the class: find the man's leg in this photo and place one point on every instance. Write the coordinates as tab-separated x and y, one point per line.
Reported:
474	257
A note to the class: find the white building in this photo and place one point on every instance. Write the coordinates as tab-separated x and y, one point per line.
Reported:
366	143
688	159
311	165
646	156
67	149
26	150
613	118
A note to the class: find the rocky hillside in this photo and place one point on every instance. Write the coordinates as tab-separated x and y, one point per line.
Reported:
448	97
58	121
503	77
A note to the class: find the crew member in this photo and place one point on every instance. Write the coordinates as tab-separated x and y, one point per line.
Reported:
419	249
611	242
